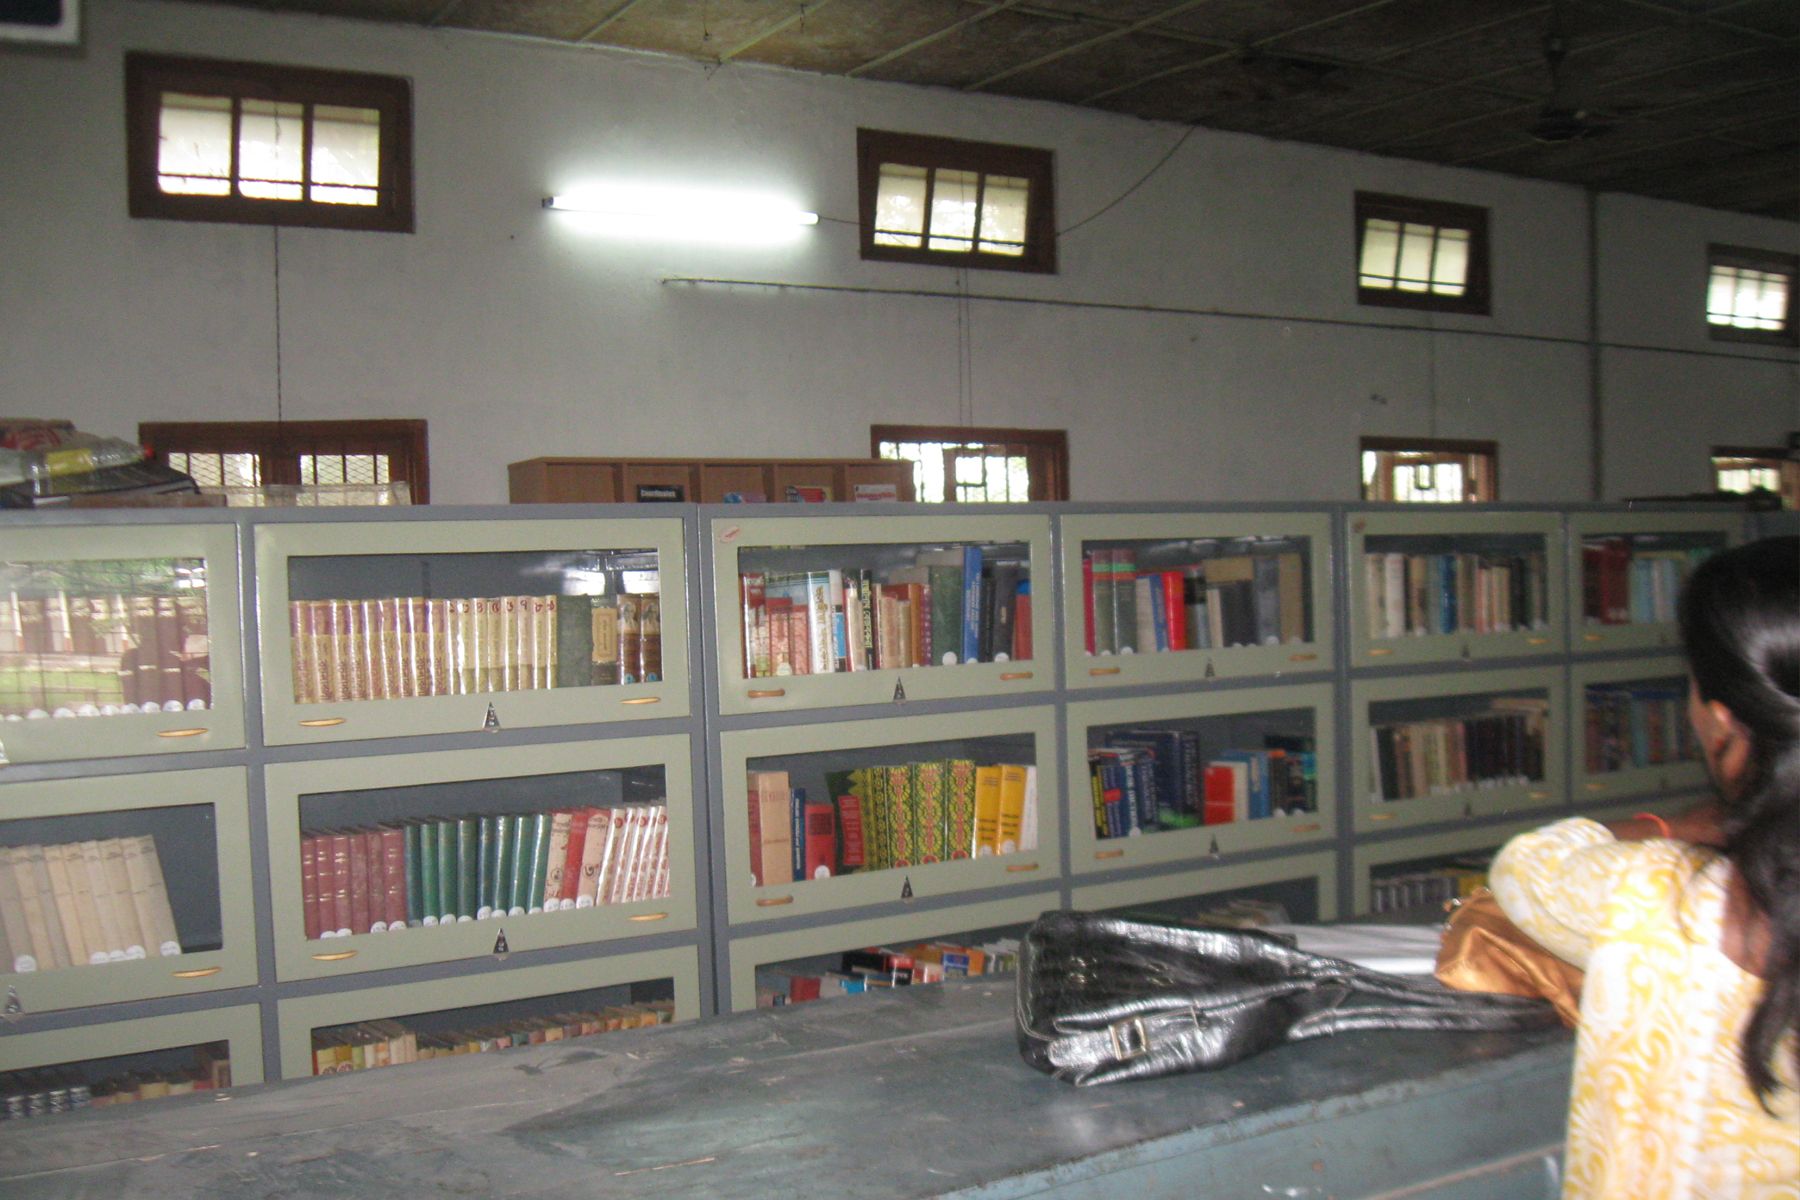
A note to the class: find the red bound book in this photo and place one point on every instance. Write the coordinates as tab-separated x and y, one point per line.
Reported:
371	841
1175	609
334	883
393	875
358	890
1221	794
570	884
309	884
821	839
1087	602
850	829
1021	647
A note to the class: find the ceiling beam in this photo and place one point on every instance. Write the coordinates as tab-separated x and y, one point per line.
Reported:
599	26
796	17
1110	35
929	39
1682	16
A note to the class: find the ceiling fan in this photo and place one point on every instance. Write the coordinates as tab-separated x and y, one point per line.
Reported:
1562	118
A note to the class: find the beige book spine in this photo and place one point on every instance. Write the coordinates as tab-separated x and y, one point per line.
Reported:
12	918
79	933
150	895
111	941
547	657
118	878
46	954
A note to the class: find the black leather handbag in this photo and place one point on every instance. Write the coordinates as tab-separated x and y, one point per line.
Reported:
1103	998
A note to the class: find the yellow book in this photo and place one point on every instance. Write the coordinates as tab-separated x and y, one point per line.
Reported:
987	811
48	949
79	934
135	942
1012	806
111	941
150	896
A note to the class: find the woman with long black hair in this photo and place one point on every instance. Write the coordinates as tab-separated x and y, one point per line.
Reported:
1688	1052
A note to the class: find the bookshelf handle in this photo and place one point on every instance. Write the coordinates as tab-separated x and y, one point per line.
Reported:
1018	868
643	700
1100	855
197	973
322	722
766	693
1309	827
661	916
1307	656
1593	637
1538	794
1009	676
335	956
1537	641
1595	785
181	733
773	901
1097	671
1382	816
1380	651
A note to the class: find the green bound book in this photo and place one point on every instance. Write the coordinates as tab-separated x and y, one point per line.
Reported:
534	859
468	860
415	877
574	641
518	829
447	860
488	866
428	873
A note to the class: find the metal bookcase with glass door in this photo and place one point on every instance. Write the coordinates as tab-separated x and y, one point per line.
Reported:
118	639
373	629
1631	736
125	1062
844	607
456	855
1626	569
1185	596
1459	583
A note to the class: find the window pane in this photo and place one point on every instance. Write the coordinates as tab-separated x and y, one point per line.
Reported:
1380	251
900	205
269	141
953	210
1003	214
194	144
1721	295
1450	270
346	154
1415	257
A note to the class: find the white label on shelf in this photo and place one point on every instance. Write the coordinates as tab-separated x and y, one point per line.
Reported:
378	927
515	911
484	912
170	949
397	927
135	952
24	964
584	902
98	958
428	922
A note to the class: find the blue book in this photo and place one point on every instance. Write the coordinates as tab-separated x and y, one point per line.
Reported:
1256	763
971	626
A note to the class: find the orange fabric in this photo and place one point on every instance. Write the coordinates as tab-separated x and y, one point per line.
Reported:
1483	951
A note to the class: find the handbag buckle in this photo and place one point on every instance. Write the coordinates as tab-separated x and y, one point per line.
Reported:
1129	1039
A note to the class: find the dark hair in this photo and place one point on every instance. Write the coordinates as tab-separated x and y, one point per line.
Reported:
1740	627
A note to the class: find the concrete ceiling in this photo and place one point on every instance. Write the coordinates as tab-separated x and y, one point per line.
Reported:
1696	101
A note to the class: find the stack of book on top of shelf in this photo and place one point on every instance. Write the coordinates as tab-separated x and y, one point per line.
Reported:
371	1044
876	967
84	903
439	871
1250	599
895	815
949	607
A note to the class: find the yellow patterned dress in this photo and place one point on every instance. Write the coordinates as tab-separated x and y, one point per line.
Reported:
1659	1109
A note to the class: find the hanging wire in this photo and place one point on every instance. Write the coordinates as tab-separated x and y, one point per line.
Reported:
276	241
1142	180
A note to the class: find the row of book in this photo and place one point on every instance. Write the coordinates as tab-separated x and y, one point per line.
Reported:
1143	780
1231	600
1623	582
421	873
1239	912
396	647
1429	888
83	904
875	967
46	1092
949	607
1420	594
1501	746
372	1044
64	655
895	815
1637	725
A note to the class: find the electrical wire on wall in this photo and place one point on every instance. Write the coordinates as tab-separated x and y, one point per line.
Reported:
275	231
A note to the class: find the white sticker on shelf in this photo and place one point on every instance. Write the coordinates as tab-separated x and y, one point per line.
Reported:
170	949
24	964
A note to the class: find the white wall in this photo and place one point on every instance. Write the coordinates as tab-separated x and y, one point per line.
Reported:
1203	343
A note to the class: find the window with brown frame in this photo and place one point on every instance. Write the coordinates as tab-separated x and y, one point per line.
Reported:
262	144
1430	470
358	459
1750	295
960	464
1751	469
955	203
1426	254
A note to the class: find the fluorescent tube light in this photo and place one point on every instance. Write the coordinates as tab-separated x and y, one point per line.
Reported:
684	214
